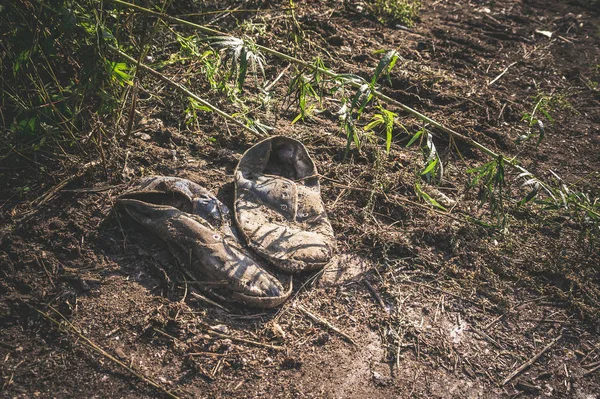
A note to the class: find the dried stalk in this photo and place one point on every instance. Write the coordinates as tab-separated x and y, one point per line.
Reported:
531	361
324	322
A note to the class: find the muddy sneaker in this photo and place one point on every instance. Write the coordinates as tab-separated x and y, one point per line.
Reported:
196	226
278	206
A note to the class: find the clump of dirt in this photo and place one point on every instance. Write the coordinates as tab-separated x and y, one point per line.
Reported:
418	302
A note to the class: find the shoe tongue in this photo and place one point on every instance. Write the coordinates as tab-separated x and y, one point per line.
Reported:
254	161
279	156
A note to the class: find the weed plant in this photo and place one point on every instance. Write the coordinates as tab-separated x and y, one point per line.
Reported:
55	82
395	11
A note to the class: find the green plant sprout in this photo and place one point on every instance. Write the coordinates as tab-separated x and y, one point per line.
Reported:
559	196
304	90
120	73
397	11
433	169
191	112
241	54
542	105
422	195
363	96
386	119
249	126
297	31
489	177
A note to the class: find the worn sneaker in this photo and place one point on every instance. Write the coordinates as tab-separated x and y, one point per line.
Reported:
196	226
278	206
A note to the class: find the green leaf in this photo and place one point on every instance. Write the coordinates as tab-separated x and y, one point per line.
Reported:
198	106
21	59
361	98
423	195
243	67
388	136
120	74
430	167
297	118
547	115
483	172
384	118
375	121
530	195
350	78
415	137
387	63
499	177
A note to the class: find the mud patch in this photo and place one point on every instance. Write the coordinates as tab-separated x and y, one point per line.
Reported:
356	372
345	268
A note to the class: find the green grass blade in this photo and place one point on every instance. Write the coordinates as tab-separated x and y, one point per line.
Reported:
423	195
243	67
416	137
530	196
430	166
386	63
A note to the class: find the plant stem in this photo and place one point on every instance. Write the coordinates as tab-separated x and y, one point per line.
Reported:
187	92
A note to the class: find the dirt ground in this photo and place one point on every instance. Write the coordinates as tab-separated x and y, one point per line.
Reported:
417	303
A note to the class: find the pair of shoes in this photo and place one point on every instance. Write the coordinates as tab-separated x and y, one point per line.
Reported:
278	210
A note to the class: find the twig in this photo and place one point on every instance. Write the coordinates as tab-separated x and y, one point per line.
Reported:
246	341
501	74
590	371
98	349
213	354
398	355
494	321
185	291
375	294
210	301
8	346
548	321
491	323
132	108
274	82
41	263
431	287
158	330
324	322
48	195
501	110
590	353
591	364
224	14
487	337
493	19
531	361
92	189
